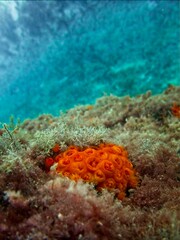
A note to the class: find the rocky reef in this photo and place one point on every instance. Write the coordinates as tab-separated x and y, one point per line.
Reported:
39	203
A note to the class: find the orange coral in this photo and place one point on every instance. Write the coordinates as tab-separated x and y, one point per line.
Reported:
175	109
56	148
106	165
49	162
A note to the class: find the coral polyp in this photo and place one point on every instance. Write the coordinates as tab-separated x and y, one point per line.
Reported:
106	166
175	109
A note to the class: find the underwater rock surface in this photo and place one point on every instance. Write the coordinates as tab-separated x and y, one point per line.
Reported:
36	204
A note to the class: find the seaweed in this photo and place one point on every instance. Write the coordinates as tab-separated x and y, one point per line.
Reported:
38	204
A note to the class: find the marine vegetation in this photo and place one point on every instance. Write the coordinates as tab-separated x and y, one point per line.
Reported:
107	171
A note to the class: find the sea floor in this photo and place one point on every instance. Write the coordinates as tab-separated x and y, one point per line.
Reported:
39	204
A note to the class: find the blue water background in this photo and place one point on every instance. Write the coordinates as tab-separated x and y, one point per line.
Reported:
58	54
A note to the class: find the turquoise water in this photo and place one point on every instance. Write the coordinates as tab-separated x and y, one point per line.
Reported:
55	55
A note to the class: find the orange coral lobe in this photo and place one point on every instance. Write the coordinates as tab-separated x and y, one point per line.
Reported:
49	162
78	157
78	167
92	163
56	148
88	177
99	176
110	183
106	165
63	162
109	166
175	109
